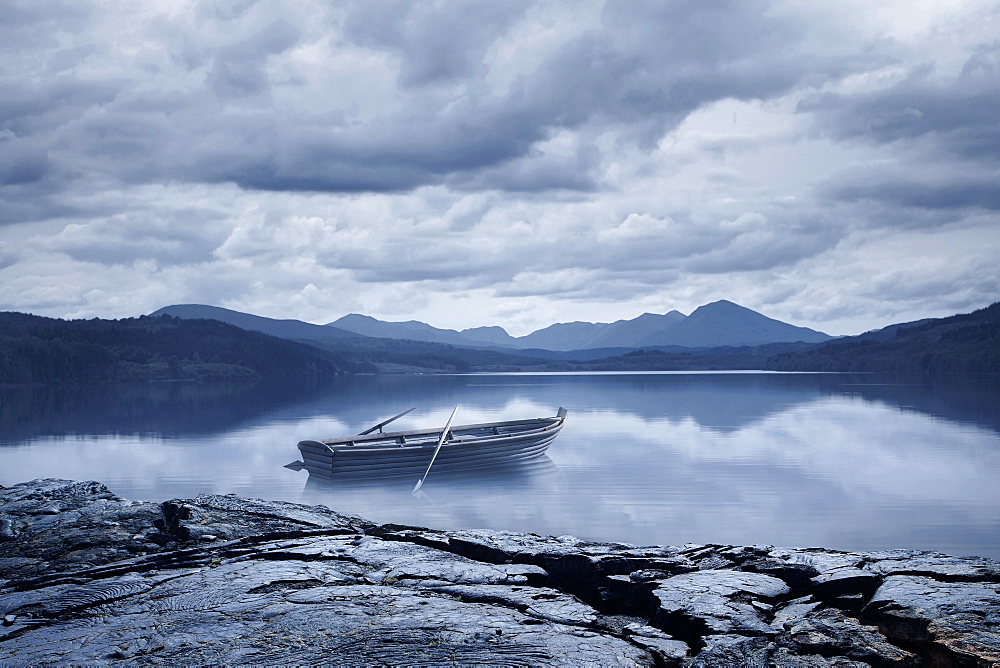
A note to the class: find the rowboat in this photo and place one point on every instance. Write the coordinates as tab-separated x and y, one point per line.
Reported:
401	453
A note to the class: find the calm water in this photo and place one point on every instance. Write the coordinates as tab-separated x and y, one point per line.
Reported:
840	461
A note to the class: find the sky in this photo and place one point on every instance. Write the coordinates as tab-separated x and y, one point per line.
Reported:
834	165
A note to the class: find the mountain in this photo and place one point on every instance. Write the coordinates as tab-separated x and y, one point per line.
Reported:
724	323
960	344
411	329
629	333
285	329
721	323
369	354
589	335
563	336
494	335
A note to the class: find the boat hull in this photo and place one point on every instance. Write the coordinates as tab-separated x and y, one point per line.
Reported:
408	453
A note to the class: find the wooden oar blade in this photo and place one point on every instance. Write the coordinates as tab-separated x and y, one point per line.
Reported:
444	435
385	422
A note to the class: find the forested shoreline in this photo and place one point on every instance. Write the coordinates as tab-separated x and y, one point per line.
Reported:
960	344
34	349
39	350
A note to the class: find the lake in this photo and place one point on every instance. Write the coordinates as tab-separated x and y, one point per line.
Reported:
842	461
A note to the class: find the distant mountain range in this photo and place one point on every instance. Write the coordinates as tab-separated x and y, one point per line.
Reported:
191	341
720	323
741	336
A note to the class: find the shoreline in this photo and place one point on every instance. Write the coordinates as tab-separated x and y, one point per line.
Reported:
89	577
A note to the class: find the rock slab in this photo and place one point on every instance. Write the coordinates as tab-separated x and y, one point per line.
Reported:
87	577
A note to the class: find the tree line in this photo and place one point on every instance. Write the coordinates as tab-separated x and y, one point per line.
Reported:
34	349
960	344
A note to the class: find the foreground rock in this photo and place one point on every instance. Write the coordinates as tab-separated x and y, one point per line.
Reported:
89	577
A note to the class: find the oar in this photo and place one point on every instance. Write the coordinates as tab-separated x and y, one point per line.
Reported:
382	424
444	435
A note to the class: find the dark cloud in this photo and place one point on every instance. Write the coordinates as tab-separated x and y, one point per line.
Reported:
954	116
237	70
938	133
638	71
39	159
25	203
642	72
433	42
21	163
36	109
949	194
401	156
33	24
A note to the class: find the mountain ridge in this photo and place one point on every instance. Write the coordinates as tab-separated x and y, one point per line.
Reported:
415	330
630	333
285	329
719	323
724	323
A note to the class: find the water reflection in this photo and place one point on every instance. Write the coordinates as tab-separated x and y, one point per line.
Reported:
156	409
833	472
724	402
851	462
447	498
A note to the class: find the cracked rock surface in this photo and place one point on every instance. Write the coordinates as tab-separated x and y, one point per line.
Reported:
87	577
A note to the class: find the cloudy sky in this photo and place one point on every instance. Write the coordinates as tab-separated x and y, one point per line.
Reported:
830	164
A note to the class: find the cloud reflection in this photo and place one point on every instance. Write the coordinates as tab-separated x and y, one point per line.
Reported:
775	459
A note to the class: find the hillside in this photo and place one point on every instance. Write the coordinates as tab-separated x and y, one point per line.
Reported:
563	336
407	356
960	344
412	330
629	333
34	349
285	329
682	359
491	335
724	323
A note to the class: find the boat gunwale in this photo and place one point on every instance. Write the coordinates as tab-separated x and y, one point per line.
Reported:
389	439
492	447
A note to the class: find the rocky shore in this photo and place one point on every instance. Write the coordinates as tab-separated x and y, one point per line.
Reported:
87	577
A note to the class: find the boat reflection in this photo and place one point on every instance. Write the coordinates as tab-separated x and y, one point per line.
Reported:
456	499
501	476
